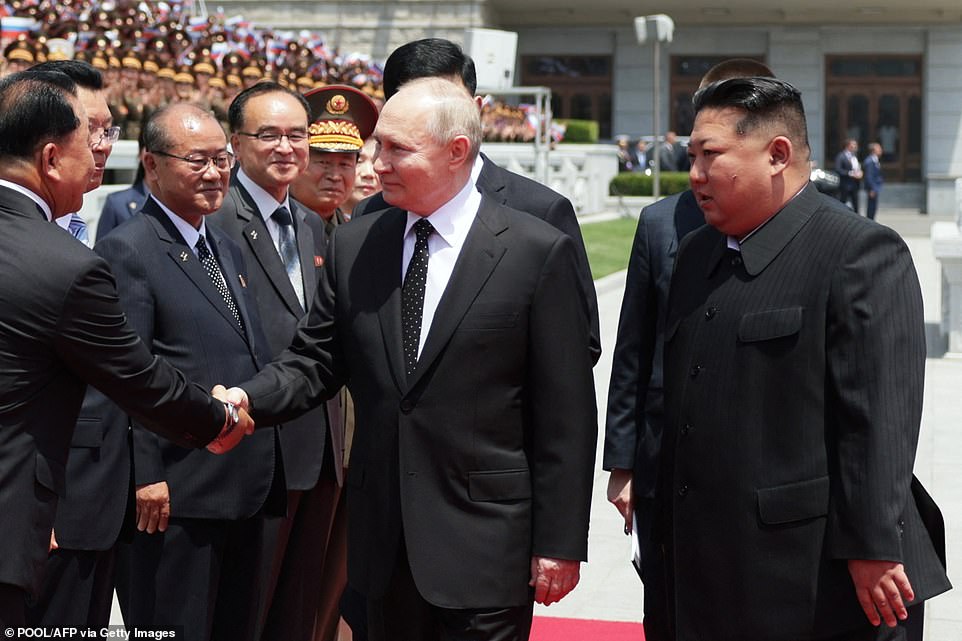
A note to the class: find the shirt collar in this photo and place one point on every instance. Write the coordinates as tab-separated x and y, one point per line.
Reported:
187	231
453	219
265	203
44	207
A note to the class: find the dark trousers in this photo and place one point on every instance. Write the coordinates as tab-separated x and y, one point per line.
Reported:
908	630
202	574
402	614
77	591
13	602
848	193
872	205
309	567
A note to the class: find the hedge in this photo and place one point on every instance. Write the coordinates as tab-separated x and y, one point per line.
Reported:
579	131
629	183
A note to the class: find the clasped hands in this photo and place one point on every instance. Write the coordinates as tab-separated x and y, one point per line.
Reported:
232	433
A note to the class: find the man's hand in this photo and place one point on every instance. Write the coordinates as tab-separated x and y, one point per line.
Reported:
153	507
234	395
881	587
232	433
619	494
552	579
53	541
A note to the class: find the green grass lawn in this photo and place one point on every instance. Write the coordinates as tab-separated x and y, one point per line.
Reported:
609	244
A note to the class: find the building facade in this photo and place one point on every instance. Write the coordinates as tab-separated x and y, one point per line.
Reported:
890	72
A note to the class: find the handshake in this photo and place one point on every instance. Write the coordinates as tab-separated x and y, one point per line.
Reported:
237	423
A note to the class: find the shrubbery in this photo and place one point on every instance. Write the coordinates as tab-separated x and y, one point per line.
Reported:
629	183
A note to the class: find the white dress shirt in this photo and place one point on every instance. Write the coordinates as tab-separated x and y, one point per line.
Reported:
451	222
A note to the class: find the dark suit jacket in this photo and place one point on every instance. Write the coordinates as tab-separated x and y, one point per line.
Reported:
302	439
635	396
793	396
872	174
523	194
120	206
843	165
171	302
61	327
484	457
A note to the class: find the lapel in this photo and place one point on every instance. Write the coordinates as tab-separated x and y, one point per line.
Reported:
479	256
387	235
491	181
262	246
183	256
235	281
305	251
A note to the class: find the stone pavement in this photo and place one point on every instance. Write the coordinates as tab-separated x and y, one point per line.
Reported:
610	589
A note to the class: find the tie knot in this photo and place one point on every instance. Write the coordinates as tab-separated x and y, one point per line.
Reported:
423	229
201	244
282	217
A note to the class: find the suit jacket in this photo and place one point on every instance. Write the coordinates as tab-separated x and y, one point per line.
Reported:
484	456
302	439
523	194
61	327
120	206
793	396
635	396
843	165
872	174
175	308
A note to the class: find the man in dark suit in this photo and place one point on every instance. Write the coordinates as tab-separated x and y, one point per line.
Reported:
849	174
794	359
477	489
873	178
196	560
436	57
635	396
121	205
61	327
312	447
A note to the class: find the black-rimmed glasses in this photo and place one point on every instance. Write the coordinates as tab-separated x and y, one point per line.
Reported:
274	138
198	164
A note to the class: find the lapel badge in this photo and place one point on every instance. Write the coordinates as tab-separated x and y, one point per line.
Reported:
318	261
253	234
242	281
183	257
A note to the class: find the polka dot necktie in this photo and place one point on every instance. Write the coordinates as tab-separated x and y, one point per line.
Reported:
412	295
213	270
288	251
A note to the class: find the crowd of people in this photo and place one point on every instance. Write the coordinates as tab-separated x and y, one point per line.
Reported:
420	373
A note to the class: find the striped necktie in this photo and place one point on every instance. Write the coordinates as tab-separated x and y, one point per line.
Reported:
78	228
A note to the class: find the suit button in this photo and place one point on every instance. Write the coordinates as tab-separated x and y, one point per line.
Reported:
694	370
736	261
407	406
685	429
683	490
710	313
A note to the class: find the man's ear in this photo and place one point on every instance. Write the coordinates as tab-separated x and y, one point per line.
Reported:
458	150
51	161
150	165
780	153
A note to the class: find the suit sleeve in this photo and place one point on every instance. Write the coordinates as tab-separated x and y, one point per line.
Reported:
311	369
876	363
138	303
561	215
94	341
632	359
562	415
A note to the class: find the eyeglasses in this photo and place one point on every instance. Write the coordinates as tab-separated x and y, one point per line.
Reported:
198	164
107	136
274	138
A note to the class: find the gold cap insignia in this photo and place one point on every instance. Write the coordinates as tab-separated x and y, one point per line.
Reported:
337	105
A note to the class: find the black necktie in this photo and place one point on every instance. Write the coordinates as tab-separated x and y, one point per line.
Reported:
412	295
288	251
216	277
